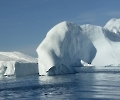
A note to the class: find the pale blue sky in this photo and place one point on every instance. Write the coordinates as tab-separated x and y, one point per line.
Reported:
24	23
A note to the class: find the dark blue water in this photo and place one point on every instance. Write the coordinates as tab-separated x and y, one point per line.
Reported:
89	84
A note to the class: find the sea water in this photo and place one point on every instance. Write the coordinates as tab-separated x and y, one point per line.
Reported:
91	83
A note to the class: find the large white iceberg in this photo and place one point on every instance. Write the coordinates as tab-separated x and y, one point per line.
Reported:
17	64
63	47
66	44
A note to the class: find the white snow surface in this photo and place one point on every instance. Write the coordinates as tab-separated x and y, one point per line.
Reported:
66	44
17	64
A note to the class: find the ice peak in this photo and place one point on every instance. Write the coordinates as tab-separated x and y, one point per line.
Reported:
113	25
113	19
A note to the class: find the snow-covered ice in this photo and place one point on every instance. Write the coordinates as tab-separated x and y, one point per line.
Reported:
17	64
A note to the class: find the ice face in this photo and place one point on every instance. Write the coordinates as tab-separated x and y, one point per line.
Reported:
63	47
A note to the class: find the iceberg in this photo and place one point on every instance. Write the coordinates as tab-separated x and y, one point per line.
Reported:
17	64
67	43
63	47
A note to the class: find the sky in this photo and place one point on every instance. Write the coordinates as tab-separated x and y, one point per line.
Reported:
25	23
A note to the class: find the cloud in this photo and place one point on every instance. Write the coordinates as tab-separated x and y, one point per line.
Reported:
26	49
113	13
87	17
94	17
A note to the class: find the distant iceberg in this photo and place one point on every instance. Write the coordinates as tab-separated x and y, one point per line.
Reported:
17	64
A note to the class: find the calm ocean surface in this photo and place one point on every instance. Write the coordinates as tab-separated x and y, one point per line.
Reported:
90	83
